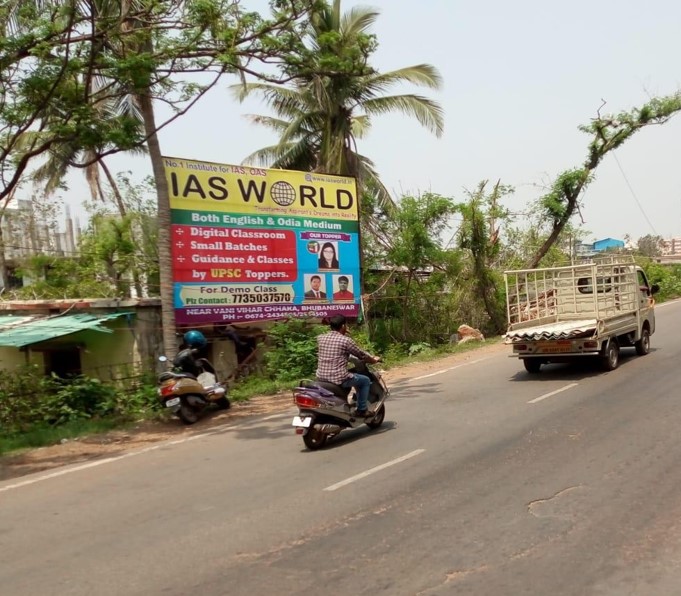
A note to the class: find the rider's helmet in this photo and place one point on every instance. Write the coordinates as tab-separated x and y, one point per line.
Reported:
195	339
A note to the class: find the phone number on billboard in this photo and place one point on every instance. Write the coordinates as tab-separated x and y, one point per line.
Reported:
261	298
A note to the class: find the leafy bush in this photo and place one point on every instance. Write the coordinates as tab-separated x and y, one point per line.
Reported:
668	278
133	402
28	399
20	396
255	385
417	348
76	398
292	353
360	335
395	353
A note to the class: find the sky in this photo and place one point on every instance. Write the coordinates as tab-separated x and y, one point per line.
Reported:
519	78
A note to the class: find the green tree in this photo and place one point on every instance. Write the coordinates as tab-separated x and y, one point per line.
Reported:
650	246
127	245
607	134
115	253
46	49
53	51
520	242
479	235
416	251
333	96
45	98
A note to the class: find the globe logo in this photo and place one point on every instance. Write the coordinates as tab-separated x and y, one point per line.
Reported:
283	193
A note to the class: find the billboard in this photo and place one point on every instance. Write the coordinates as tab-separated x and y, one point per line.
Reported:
255	244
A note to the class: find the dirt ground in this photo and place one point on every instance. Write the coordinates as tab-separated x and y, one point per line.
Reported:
115	443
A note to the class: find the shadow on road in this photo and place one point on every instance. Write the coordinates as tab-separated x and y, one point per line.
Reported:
355	434
405	392
577	370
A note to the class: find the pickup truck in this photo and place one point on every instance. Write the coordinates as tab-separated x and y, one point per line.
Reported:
592	308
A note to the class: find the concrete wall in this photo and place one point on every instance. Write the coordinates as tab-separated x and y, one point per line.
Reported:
11	358
109	356
223	357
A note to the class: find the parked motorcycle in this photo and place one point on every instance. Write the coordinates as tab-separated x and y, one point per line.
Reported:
188	395
324	409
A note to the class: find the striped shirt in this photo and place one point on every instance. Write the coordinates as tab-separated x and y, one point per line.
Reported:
333	352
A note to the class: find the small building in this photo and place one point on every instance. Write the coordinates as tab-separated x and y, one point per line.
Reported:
104	339
25	235
583	249
671	247
107	339
608	244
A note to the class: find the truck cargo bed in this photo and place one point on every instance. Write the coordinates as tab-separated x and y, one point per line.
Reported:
563	330
570	294
586	309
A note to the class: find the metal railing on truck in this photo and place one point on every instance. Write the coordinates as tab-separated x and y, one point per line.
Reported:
595	288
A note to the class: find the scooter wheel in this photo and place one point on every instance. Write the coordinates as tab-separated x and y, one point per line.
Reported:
314	439
223	403
187	414
377	420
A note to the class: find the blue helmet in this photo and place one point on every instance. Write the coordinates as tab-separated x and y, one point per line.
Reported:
195	339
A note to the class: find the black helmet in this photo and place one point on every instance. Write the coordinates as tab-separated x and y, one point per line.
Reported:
195	339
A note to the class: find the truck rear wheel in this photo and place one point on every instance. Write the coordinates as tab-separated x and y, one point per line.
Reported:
643	344
611	355
532	365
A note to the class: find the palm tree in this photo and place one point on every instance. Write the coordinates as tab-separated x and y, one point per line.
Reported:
63	156
333	96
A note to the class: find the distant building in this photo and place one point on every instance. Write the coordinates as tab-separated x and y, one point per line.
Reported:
26	234
671	247
583	249
589	249
608	244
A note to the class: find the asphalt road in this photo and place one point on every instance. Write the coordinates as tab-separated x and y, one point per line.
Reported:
483	480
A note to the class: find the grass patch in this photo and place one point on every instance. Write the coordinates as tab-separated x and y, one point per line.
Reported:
429	354
252	386
42	435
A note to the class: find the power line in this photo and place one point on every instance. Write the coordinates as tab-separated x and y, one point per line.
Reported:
633	194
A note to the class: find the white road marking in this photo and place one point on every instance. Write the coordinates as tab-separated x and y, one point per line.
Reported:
444	370
347	481
108	460
541	397
63	472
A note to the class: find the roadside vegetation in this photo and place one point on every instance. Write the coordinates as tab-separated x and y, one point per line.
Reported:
430	262
36	411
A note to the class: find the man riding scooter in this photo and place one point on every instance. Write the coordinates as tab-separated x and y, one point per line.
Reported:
334	351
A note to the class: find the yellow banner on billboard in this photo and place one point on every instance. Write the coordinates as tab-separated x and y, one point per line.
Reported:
207	186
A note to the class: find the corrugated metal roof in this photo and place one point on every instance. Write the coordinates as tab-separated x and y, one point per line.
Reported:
17	332
564	330
10	320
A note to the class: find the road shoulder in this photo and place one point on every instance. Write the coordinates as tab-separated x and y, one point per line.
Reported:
114	443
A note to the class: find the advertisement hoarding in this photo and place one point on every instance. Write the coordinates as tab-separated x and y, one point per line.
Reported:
255	244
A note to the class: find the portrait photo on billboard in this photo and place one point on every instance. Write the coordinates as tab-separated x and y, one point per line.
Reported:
315	287
342	288
328	257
